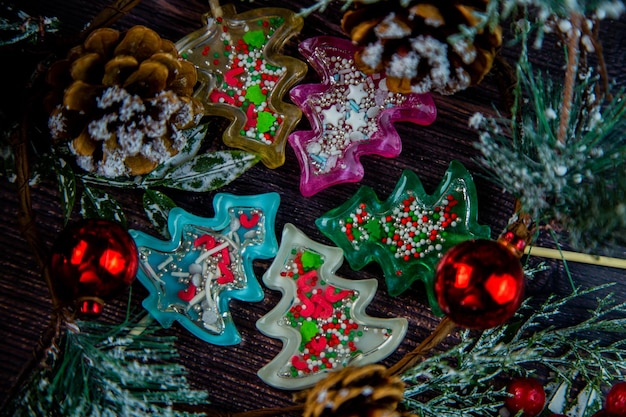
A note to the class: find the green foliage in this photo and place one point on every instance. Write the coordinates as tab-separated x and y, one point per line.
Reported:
564	8
206	172
467	379
579	185
98	204
67	187
18	26
109	370
157	207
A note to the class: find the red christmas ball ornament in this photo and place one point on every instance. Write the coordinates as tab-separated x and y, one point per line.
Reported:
480	283
615	404
91	261
527	394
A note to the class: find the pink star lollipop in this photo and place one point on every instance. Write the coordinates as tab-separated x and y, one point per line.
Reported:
351	114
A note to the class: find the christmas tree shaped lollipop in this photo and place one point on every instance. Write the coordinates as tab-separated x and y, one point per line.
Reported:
351	114
244	77
207	262
410	231
321	318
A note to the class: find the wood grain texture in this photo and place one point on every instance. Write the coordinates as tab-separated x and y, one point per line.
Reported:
229	373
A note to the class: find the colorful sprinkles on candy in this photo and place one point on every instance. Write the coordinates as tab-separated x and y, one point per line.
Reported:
192	277
409	232
248	77
347	111
244	78
351	114
321	316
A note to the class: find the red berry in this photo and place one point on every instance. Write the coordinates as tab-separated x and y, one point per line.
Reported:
526	394
616	400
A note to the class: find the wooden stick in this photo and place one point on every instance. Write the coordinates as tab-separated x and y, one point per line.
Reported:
570	75
444	328
575	257
216	9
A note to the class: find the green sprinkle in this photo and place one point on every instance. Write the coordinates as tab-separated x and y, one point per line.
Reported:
308	330
311	260
255	95
373	228
254	38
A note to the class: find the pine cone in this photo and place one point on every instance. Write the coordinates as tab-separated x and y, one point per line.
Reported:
365	391
422	46
121	101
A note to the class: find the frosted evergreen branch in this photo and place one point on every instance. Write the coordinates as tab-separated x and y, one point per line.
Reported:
108	371
600	9
579	187
461	380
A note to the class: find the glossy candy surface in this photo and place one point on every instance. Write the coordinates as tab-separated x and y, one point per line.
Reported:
244	77
409	232
321	317
351	114
206	263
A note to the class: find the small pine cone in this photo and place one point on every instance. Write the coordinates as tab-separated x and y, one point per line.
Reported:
422	47
121	101
366	391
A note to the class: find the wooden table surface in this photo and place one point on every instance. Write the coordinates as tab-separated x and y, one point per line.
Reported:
229	373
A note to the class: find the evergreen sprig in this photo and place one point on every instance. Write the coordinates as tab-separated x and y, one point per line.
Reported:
109	370
578	186
469	378
17	26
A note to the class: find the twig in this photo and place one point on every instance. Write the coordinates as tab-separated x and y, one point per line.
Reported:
216	9
597	46
443	329
570	75
109	15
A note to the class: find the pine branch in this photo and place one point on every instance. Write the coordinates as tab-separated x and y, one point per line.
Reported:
109	370
579	187
466	380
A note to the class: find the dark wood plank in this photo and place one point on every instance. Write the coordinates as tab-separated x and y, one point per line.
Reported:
229	373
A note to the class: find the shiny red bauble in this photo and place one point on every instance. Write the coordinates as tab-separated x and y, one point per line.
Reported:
526	394
479	283
615	403
91	261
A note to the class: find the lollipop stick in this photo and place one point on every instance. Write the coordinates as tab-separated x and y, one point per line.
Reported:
576	257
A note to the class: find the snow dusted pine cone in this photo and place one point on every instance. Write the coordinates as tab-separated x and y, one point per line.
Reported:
356	392
424	46
122	101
